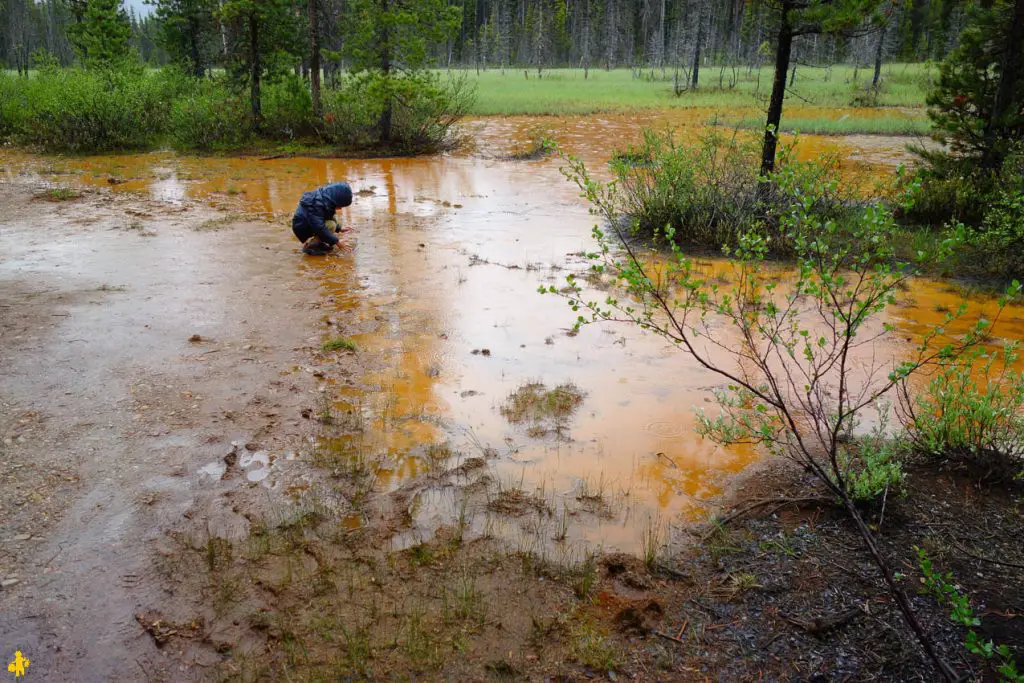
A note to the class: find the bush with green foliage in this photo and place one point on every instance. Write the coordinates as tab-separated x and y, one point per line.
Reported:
210	117
997	245
95	110
129	107
986	210
872	468
707	192
946	188
428	108
12	106
349	117
971	413
287	109
425	109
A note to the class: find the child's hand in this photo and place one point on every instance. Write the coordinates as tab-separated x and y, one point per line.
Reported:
340	230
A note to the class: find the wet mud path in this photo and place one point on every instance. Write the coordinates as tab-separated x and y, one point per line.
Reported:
109	410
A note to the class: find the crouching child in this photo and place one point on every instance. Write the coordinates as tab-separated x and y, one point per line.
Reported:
313	222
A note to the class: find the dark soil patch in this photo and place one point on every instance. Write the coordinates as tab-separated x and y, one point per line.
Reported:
793	595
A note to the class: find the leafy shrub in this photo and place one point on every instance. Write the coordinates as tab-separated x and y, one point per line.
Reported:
287	108
77	110
945	189
970	412
997	245
425	109
430	108
12	105
985	207
210	117
349	117
706	194
872	468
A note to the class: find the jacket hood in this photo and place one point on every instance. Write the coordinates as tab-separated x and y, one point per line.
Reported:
340	194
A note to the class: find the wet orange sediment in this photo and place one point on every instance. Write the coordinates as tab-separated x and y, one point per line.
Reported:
446	258
271	186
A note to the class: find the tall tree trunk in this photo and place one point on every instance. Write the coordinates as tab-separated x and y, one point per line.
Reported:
661	36
198	68
695	76
877	79
585	59
1008	75
314	56
223	32
255	69
771	134
386	116
611	31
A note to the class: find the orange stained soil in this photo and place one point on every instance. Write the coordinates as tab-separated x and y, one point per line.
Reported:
440	287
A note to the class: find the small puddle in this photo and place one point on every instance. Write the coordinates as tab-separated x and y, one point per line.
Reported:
448	253
214	470
256	465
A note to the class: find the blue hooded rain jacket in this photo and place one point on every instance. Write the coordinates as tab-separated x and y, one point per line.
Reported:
316	208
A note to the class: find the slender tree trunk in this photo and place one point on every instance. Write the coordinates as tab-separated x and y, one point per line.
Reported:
255	69
314	56
1008	74
586	39
223	32
611	31
771	133
661	37
877	79
198	68
897	592
386	116
695	76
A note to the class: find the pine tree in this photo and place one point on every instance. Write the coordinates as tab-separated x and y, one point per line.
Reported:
261	30
104	33
187	31
391	39
978	103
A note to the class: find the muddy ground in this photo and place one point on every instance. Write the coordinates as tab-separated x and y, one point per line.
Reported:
181	503
139	340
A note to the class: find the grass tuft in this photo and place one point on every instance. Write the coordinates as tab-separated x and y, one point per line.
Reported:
340	344
535	403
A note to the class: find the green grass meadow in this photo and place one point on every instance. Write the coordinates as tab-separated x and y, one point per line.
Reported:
898	106
848	123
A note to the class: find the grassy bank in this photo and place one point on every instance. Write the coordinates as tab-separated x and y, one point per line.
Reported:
567	91
896	123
